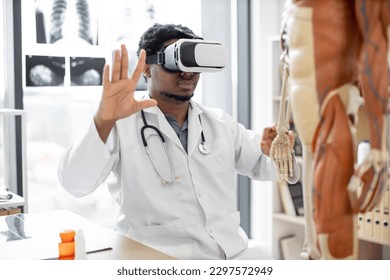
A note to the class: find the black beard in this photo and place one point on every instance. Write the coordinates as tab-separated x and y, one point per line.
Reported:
177	97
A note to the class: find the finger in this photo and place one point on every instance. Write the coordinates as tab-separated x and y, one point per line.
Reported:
125	63
290	165
139	67
106	74
277	167
285	162
269	132
276	157
279	161
265	147
266	132
279	164
272	152
116	66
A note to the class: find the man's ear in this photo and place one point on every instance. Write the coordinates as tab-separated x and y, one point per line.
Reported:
147	71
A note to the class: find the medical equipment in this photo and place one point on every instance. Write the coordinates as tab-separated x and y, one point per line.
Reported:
191	55
5	195
204	148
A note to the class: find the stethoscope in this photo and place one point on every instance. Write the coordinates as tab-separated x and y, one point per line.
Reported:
203	147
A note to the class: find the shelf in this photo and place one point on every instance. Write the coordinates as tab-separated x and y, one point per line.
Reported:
9	124
12	112
374	240
298	220
16	201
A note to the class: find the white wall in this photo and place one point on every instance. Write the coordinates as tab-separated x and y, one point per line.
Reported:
2	54
216	26
265	23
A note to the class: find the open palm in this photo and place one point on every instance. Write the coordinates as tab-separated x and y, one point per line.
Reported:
118	101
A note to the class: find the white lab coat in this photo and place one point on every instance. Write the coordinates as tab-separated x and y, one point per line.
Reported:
195	217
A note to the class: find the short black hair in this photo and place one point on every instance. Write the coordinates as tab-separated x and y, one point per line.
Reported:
153	39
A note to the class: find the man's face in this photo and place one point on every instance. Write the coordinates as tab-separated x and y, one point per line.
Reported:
178	83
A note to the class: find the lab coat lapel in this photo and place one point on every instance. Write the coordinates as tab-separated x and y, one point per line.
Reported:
194	128
162	124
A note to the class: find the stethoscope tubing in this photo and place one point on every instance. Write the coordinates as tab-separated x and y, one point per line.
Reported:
204	148
146	125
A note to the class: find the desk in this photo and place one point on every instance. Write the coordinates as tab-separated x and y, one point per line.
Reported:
28	236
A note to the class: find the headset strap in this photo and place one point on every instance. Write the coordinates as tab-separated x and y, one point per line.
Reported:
158	58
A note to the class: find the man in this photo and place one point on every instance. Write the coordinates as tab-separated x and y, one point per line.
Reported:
174	159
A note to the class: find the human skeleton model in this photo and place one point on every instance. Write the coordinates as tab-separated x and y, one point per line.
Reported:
280	148
329	41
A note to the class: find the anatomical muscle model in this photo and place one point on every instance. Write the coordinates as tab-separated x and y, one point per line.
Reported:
337	51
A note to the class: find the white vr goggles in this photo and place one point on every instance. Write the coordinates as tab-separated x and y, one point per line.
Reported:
191	55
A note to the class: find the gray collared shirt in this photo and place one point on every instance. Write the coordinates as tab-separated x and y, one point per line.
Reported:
181	132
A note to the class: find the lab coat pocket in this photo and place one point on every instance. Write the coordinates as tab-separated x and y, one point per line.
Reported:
231	237
170	238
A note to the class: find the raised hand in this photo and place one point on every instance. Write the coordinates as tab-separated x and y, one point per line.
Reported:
117	100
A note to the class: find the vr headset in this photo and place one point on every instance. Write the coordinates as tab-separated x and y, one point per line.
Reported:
191	55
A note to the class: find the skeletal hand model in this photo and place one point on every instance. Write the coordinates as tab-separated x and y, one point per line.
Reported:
280	147
324	48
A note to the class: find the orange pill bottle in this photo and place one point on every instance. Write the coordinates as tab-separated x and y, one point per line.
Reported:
67	245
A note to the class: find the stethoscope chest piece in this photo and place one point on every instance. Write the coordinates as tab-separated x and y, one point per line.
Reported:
205	148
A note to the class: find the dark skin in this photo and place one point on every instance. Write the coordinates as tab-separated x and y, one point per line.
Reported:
117	101
180	83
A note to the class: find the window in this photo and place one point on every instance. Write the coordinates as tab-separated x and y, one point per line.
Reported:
2	91
2	49
63	52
